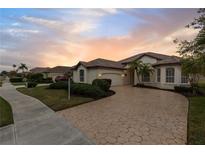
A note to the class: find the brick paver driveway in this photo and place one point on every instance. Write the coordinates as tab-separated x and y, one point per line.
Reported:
133	116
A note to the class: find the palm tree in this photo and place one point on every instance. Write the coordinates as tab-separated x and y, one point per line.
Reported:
146	69
140	68
14	66
23	67
137	66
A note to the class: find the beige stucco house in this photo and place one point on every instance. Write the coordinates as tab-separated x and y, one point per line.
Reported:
52	72
167	71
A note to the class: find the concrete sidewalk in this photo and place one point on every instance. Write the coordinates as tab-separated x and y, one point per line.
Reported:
35	123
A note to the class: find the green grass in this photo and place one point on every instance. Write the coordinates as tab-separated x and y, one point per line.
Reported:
18	83
56	99
196	120
6	116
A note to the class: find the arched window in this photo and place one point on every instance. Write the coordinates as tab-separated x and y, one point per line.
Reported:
82	75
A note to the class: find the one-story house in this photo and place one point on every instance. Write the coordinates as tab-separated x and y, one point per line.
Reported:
167	71
42	70
58	71
52	72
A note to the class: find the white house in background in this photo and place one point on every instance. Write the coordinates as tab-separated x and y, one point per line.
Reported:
167	71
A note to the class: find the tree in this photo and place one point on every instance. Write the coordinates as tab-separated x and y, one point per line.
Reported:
193	51
14	66
140	68
136	65
22	67
146	69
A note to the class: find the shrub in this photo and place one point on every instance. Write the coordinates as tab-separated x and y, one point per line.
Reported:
82	89
16	79
31	84
103	84
59	85
87	90
37	77
47	80
183	89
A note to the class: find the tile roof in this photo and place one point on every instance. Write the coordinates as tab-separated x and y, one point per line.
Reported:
59	69
171	60
138	56
39	69
101	63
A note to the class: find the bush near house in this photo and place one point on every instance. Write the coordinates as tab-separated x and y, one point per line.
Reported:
47	80
31	84
103	84
81	89
183	89
16	79
35	77
38	77
59	85
87	90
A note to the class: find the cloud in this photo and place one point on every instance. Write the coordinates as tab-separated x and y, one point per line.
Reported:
67	38
62	26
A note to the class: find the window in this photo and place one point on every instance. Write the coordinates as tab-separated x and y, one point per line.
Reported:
170	75
82	74
146	77
158	75
184	79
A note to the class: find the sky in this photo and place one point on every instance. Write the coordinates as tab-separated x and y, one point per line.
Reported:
53	37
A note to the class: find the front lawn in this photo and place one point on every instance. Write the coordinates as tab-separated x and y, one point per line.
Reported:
6	116
196	120
56	99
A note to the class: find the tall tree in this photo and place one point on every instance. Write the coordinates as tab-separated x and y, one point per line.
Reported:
23	67
136	65
140	68
146	69
193	51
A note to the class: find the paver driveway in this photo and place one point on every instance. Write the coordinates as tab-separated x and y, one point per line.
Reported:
133	116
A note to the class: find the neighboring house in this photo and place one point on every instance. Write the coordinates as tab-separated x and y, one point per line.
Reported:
51	72
42	70
58	71
167	71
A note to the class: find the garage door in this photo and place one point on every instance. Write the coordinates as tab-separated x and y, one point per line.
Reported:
116	78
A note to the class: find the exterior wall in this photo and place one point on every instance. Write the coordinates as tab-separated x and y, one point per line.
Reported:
76	74
119	77
163	84
148	60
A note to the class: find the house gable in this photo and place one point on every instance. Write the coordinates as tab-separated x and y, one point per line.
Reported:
148	59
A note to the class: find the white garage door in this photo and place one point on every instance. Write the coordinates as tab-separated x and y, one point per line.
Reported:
117	79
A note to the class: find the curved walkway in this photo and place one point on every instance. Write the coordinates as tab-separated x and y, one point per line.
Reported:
35	123
133	116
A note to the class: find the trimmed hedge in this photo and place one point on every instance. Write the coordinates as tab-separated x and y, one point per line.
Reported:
87	90
183	89
103	84
82	89
31	84
59	85
16	79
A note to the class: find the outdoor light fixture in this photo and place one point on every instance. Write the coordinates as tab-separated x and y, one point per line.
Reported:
99	75
122	75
